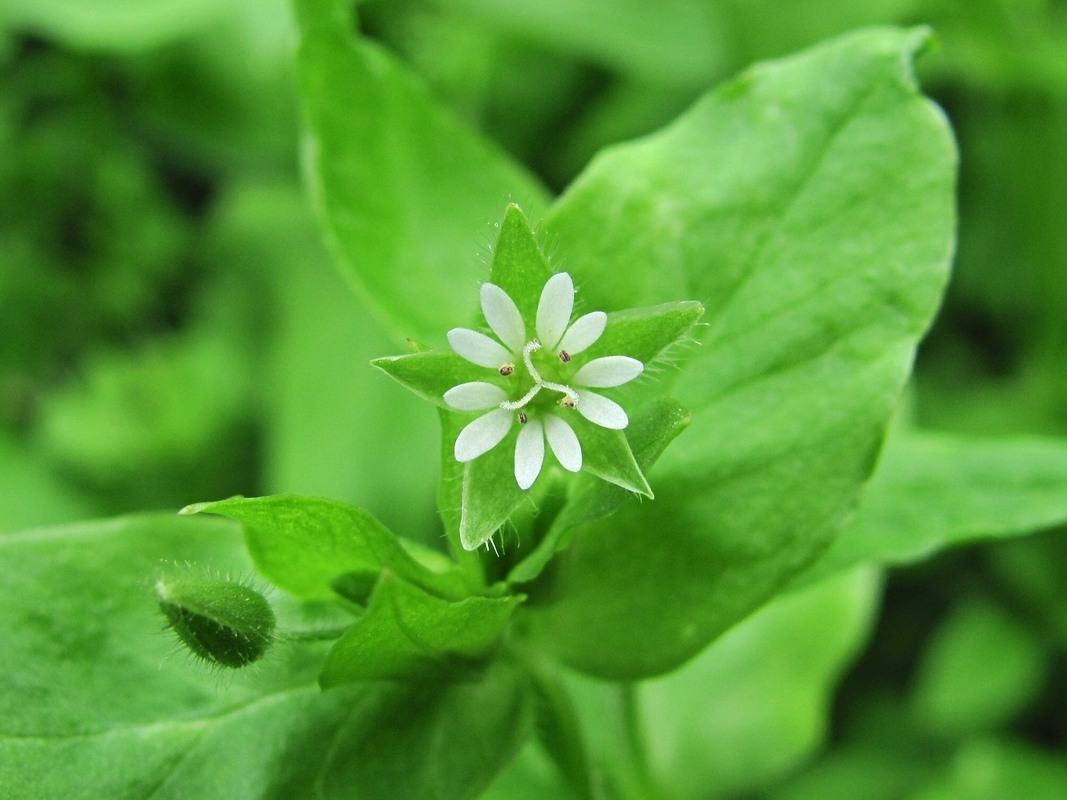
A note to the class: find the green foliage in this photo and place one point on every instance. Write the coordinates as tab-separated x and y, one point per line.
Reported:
772	582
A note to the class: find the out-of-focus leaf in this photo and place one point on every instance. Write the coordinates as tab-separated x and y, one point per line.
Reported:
757	702
404	191
118	25
932	491
991	770
808	204
32	496
981	669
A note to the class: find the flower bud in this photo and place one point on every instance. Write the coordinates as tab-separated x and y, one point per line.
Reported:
223	622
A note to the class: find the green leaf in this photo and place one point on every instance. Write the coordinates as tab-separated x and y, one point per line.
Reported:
303	543
408	634
808	204
933	491
95	703
403	189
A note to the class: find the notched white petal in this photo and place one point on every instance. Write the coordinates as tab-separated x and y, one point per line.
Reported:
483	434
474	396
602	373
583	333
529	453
554	309
564	443
478	348
503	316
601	411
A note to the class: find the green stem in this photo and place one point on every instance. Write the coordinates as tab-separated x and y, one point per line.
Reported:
316	634
645	784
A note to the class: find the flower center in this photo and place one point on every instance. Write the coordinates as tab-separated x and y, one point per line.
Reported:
570	397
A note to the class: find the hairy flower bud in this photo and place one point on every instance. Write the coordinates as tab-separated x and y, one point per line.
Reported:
224	622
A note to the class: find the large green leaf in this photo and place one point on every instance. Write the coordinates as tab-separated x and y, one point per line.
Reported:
94	701
932	491
809	205
405	192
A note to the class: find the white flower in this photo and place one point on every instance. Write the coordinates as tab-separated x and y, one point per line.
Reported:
542	385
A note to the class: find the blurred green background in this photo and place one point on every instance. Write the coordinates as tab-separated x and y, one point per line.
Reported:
172	328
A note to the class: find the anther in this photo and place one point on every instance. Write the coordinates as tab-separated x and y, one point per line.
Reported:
523	418
507	369
568	402
564	356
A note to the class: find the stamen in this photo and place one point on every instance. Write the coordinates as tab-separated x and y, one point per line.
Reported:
564	356
523	418
568	401
507	369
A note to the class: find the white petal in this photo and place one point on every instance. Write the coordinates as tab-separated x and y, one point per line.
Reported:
601	411
503	316
585	330
475	396
563	442
529	453
478	348
608	371
483	434
554	309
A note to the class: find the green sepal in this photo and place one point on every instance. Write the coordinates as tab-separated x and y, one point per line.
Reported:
606	453
223	622
408	633
519	267
648	434
643	333
303	544
482	494
431	373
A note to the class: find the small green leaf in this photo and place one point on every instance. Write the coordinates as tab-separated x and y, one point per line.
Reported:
409	634
302	544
